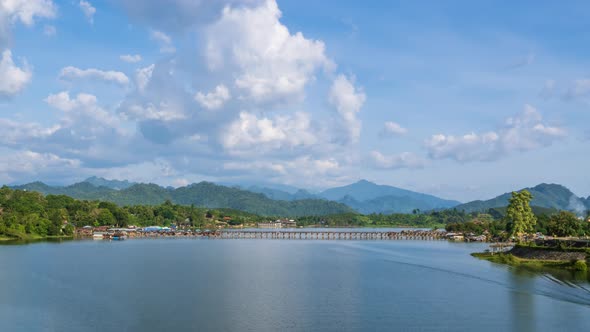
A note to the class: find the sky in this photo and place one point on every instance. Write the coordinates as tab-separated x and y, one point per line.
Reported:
461	99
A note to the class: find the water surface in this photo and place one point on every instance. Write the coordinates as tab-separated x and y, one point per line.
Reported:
270	285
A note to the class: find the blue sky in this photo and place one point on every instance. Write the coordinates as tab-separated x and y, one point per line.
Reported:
460	99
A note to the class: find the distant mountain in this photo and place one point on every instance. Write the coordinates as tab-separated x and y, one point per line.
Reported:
202	194
113	184
368	197
552	196
271	193
388	205
281	194
82	190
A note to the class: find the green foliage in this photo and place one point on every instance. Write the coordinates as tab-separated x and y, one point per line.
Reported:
566	224
204	194
580	265
519	213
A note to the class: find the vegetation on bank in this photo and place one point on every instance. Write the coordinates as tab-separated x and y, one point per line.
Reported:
30	215
520	219
512	260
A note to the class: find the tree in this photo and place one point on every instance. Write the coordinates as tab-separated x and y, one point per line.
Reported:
565	224
520	215
105	218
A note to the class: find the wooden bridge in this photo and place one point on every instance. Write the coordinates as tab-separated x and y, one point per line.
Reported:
330	235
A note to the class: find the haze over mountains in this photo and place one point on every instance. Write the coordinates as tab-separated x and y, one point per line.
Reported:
363	196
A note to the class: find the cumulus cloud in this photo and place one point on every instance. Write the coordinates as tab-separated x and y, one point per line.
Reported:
396	161
23	11
13	133
215	99
521	133
391	128
301	171
83	104
164	41
85	132
262	134
261	73
17	164
271	64
130	58
348	101
13	79
71	73
88	10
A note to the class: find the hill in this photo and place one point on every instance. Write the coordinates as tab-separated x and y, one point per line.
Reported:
368	197
551	196
282	195
202	194
113	184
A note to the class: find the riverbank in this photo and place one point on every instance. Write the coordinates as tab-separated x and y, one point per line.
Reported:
574	259
32	238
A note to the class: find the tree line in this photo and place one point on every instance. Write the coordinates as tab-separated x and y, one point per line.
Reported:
520	220
29	214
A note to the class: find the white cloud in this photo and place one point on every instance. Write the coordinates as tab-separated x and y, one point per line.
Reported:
215	99
397	161
391	128
348	101
301	171
13	79
49	30
14	133
88	10
521	133
16	164
164	112
164	41
23	11
143	76
71	73
130	58
263	134
84	106
162	117
270	63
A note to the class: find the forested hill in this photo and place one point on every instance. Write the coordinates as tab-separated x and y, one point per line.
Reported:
203	194
553	196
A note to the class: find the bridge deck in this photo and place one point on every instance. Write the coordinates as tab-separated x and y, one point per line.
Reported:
329	235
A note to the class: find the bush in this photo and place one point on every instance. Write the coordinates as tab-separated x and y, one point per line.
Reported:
580	266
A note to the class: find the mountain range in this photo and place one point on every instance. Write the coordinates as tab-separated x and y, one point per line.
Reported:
203	194
363	197
553	196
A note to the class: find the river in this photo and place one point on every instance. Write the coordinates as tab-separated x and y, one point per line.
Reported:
275	285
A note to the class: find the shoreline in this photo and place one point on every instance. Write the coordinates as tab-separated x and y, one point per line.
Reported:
539	258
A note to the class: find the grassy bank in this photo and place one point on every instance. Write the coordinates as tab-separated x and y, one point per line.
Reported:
509	259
